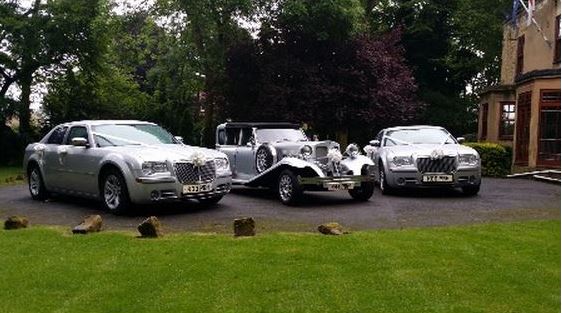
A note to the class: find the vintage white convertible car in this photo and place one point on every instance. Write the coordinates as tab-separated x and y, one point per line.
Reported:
123	162
281	157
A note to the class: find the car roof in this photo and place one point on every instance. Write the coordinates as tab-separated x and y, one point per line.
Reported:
261	125
104	122
412	127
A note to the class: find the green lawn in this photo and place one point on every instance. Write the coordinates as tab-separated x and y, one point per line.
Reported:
484	268
9	175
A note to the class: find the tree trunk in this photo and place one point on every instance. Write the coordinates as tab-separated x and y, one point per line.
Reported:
23	110
342	137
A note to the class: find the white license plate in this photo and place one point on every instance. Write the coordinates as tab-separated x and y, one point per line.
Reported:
340	186
197	188
437	178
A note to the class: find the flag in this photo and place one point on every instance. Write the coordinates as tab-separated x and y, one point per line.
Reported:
514	10
530	10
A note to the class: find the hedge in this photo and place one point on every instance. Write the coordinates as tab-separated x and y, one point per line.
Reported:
496	158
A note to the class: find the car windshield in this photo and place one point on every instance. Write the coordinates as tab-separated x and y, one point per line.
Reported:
131	134
278	134
418	136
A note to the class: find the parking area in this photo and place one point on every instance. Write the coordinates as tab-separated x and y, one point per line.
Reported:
499	200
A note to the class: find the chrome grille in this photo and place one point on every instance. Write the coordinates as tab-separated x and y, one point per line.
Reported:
321	152
443	165
188	173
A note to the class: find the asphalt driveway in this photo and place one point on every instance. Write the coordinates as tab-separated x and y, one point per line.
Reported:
499	200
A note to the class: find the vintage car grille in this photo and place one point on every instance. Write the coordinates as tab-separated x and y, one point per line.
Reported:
188	173
321	152
443	165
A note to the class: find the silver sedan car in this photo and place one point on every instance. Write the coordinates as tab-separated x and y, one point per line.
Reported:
124	162
423	156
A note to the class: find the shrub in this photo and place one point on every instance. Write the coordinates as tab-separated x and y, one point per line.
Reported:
496	159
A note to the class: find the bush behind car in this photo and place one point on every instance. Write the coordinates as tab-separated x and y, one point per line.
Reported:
496	158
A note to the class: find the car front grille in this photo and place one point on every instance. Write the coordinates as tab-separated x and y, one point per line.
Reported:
188	173
443	165
321	152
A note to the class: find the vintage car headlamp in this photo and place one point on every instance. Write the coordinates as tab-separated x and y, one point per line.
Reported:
149	168
352	150
401	161
221	164
306	151
468	159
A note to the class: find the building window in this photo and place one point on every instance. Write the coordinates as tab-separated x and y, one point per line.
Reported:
557	40
484	132
520	55
549	128
507	119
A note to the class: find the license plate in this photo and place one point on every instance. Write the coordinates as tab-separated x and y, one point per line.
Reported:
340	186
197	188
437	178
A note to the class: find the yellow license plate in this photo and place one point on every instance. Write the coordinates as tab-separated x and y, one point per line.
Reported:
197	188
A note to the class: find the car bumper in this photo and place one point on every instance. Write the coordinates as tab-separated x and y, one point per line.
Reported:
463	177
168	188
331	182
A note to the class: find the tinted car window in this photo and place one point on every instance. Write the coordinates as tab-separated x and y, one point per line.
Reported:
57	136
76	132
221	137
232	136
246	135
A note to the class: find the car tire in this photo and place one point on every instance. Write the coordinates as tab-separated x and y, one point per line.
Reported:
264	159
210	201
363	192
114	193
471	190
383	184
36	184
289	190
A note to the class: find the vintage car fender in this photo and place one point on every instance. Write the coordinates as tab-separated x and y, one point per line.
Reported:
272	173
356	163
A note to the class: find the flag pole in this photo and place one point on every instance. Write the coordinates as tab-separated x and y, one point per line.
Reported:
536	24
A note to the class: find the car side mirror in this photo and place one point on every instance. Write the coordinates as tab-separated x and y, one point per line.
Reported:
461	139
79	142
179	138
375	143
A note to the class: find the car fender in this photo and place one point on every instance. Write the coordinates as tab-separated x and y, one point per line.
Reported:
125	164
271	174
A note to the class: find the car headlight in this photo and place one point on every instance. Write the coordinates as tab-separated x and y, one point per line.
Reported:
400	161
352	150
468	159
306	151
221	164
149	168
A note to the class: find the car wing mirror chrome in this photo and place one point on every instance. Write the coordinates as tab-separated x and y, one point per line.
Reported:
179	139
375	143
80	142
461	139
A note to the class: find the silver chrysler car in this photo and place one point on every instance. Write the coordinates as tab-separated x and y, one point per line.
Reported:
124	162
423	156
281	157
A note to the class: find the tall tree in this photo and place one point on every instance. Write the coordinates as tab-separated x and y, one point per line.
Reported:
40	38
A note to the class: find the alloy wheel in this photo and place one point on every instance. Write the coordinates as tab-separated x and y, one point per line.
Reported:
112	192
34	182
